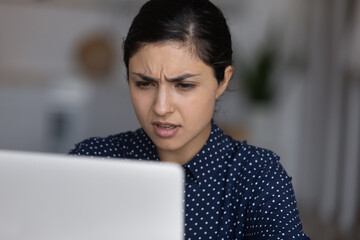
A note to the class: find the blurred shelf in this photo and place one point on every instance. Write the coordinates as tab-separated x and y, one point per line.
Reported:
23	77
230	6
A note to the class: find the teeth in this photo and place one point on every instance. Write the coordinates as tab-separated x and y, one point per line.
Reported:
166	126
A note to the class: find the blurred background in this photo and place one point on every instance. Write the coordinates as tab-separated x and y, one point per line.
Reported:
296	88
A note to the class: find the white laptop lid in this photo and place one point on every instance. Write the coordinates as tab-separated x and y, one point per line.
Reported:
51	197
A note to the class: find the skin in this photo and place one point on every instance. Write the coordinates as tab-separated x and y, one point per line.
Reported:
173	94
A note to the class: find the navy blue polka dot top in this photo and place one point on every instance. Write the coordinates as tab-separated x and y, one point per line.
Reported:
232	190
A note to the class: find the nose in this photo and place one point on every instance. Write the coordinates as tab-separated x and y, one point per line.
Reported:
163	101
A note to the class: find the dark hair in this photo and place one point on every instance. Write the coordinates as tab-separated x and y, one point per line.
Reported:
198	24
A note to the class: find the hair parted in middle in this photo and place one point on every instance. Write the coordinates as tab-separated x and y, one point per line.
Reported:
196	24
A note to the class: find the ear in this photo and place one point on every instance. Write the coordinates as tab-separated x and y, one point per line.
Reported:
229	70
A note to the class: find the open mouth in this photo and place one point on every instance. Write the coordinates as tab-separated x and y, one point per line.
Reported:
166	126
165	130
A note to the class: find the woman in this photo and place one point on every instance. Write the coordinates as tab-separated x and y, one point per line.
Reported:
178	57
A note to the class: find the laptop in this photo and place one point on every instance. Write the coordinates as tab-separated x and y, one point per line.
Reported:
53	197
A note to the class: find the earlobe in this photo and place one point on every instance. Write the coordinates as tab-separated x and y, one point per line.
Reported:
227	77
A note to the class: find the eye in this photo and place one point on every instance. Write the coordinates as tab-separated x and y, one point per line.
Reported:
144	84
185	86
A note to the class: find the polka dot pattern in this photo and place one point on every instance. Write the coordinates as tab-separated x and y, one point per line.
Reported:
232	190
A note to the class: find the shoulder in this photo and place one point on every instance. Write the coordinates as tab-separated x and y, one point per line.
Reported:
256	167
116	145
245	159
257	159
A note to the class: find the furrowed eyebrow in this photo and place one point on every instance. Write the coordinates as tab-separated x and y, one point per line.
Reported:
175	79
182	77
145	78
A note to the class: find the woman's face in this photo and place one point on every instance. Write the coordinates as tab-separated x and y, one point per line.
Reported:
173	94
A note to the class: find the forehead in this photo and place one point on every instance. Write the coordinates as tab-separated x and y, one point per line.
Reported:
168	57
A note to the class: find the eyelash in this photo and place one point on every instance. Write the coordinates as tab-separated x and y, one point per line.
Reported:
143	84
185	86
181	85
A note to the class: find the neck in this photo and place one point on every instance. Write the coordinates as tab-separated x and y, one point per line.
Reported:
176	157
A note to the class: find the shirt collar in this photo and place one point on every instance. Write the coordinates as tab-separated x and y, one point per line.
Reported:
148	150
210	159
207	163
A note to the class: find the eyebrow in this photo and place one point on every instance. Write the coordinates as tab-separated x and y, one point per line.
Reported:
175	79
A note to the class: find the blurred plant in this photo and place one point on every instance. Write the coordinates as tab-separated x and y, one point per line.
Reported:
256	77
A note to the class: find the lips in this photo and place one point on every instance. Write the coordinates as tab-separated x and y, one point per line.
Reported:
165	129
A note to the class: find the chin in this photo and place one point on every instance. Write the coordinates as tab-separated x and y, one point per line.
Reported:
167	144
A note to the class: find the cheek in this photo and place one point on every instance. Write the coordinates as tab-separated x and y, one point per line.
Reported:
202	105
139	104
